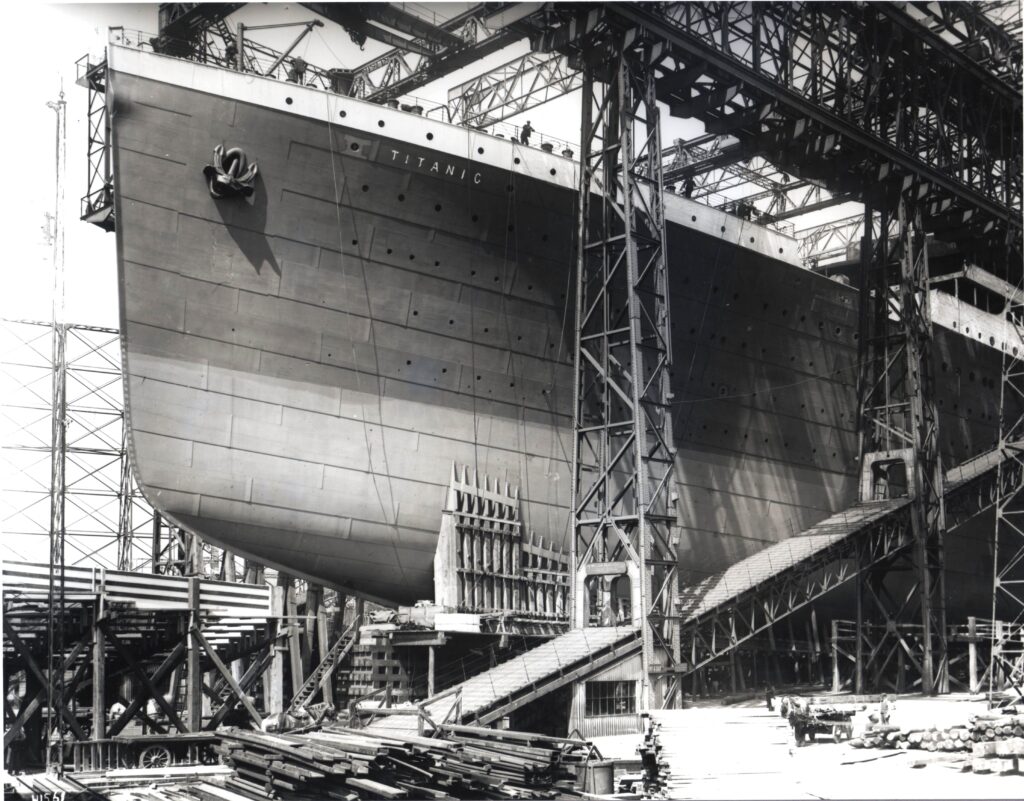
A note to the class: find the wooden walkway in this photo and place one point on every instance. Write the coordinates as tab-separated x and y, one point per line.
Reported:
722	587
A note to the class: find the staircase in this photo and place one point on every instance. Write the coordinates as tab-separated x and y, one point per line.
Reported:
319	677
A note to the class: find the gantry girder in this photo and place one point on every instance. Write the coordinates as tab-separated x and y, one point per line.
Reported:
365	20
183	25
847	95
479	31
512	88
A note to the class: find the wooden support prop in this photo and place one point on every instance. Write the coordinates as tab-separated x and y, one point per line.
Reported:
835	656
99	673
251	676
173	659
275	685
322	650
294	637
200	640
194	675
431	657
972	654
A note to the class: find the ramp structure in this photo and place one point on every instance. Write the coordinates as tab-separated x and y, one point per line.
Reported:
732	606
495	693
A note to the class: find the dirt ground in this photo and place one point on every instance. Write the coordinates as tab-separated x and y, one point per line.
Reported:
744	751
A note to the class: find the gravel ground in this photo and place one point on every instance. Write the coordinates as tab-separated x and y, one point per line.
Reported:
745	752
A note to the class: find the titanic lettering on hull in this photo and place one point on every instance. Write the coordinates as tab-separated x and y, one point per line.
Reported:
436	166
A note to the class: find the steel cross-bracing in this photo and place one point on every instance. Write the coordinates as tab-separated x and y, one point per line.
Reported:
104	515
1006	666
623	456
730	608
899	417
514	87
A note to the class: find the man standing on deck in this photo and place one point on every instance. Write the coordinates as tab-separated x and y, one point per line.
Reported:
524	137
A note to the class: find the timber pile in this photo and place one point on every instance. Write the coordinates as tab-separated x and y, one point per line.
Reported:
954	738
998	743
995	740
352	764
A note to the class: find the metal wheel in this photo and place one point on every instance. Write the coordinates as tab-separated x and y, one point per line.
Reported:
155	756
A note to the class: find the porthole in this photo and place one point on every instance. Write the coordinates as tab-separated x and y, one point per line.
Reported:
343	113
401	198
437	207
516	159
723	229
480	150
390	251
380	123
354	146
288	100
552	170
693	218
430	136
366	187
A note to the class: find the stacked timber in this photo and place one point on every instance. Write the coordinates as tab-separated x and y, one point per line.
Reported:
995	741
998	743
954	738
352	764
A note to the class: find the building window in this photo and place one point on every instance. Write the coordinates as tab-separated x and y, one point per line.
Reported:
610	698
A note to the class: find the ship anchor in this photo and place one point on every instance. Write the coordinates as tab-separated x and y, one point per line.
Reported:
231	174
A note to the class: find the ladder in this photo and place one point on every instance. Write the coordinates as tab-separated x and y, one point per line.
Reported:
319	677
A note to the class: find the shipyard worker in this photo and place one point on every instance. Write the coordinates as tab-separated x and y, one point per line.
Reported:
297	72
524	137
116	710
688	186
885	709
769	697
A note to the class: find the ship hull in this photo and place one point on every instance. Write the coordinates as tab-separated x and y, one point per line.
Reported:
304	366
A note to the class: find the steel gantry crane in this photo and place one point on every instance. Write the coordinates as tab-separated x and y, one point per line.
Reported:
624	450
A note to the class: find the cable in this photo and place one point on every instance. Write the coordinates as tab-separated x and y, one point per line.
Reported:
373	345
